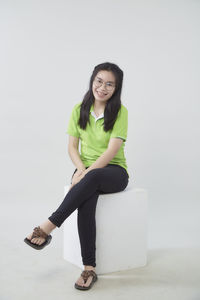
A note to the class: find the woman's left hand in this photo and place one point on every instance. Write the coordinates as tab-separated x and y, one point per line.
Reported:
77	179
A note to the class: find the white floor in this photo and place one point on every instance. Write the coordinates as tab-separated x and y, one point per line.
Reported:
25	273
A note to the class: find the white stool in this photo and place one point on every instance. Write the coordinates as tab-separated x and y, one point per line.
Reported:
121	232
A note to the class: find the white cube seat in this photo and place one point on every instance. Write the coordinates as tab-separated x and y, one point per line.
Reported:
121	232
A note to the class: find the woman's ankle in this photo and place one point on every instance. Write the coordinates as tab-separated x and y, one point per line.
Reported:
88	268
48	226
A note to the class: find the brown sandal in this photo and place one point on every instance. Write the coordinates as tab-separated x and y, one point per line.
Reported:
86	274
38	232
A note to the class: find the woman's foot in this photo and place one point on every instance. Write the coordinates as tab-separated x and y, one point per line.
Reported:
80	280
47	227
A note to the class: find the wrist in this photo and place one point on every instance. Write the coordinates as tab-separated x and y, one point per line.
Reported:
86	171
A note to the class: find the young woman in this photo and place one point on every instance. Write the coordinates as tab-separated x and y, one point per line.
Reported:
100	122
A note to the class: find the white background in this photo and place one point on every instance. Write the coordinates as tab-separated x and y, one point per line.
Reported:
47	54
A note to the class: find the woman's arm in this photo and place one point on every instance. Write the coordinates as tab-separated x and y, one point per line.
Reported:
74	153
113	147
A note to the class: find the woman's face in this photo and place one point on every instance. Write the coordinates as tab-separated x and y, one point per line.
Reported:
103	86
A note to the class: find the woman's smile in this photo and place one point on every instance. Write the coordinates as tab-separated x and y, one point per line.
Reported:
101	94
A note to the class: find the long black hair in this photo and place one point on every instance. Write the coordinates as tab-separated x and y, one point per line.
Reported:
113	105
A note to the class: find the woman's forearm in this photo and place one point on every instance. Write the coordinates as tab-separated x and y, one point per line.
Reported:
75	157
102	161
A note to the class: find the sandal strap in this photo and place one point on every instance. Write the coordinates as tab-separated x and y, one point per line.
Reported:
38	232
87	273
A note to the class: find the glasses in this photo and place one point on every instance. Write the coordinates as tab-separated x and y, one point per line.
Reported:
109	86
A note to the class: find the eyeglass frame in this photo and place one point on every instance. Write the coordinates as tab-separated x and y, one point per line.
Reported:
94	81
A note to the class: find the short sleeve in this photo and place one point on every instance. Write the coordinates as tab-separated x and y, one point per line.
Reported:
120	127
72	128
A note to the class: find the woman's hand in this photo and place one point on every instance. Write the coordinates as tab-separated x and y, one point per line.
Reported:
77	177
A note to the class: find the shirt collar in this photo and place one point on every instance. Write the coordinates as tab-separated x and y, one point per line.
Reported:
93	113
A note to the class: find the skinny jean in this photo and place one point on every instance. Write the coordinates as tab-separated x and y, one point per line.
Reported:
83	196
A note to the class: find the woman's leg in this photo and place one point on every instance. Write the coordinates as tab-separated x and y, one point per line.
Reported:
86	215
87	230
110	179
71	201
87	235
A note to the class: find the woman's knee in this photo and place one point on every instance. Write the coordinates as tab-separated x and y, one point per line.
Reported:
95	177
94	173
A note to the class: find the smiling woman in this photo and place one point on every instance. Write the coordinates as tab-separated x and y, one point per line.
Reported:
100	123
99	82
98	85
95	140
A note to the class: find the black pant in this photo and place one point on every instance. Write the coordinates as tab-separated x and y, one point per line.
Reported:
83	196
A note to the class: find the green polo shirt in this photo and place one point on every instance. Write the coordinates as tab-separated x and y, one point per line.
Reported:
94	140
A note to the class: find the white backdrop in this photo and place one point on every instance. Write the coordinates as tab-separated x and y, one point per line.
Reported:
47	55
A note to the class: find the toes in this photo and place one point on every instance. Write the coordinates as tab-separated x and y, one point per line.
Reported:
41	241
80	281
88	282
37	241
29	236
